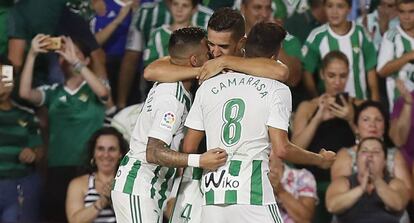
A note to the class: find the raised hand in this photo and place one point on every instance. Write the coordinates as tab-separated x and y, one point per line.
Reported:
213	159
405	93
39	44
69	51
344	111
328	158
210	69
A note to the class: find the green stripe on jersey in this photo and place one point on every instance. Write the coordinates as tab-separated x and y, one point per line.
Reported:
154	180
234	168
209	195
230	197
256	187
356	54
197	173
164	186
132	175
333	43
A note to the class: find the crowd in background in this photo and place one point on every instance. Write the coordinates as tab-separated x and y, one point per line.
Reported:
351	77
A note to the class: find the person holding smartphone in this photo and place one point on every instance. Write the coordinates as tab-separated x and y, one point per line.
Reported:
326	121
21	147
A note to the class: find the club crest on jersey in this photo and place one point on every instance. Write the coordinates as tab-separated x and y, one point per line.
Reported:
83	97
304	50
168	120
22	122
356	49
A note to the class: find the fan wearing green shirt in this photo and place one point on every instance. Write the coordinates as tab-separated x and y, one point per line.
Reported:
75	112
20	148
181	11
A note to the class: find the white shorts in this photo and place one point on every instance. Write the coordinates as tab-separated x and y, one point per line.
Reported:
241	214
135	209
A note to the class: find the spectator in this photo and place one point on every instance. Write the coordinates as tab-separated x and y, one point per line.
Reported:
75	111
349	38
181	11
309	19
396	53
20	148
401	123
370	194
295	191
88	198
110	26
319	122
380	21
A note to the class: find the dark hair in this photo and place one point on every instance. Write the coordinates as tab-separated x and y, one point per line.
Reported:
228	20
264	40
349	2
123	145
83	47
404	2
383	146
182	40
315	3
333	55
4	60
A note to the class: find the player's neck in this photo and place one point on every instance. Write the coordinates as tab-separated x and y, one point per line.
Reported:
341	29
6	105
105	177
187	85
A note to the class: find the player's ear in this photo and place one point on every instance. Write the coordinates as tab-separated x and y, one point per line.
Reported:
241	44
193	61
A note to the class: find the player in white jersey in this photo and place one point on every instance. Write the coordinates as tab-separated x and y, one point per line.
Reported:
349	38
247	116
396	55
144	177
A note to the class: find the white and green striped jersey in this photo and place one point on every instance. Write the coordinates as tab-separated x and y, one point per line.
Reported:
154	15
162	117
395	43
373	27
157	46
356	45
235	111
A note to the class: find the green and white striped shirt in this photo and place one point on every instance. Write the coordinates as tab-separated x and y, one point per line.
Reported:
235	111
356	45
154	15
395	43
162	117
157	46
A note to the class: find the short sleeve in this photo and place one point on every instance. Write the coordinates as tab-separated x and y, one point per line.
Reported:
166	118
369	51
280	109
292	47
195	116
306	184
46	92
386	52
311	57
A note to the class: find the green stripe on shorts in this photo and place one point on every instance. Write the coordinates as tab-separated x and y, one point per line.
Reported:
256	190
129	183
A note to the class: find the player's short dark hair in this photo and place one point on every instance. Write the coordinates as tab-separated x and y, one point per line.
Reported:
123	144
349	2
228	20
182	40
404	1
334	55
264	40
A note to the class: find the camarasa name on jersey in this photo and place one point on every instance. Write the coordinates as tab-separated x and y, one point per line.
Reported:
236	81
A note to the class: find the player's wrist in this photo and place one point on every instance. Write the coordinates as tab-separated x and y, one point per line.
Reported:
193	160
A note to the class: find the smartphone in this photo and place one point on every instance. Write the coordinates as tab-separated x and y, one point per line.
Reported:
54	43
7	74
338	98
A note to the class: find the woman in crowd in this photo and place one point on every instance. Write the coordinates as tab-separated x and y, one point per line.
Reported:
20	148
88	197
75	112
371	120
370	194
318	122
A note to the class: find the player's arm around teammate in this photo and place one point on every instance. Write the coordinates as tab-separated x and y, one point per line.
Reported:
159	153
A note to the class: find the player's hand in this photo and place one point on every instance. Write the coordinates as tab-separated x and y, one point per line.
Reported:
328	158
213	159
38	44
210	69
27	155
